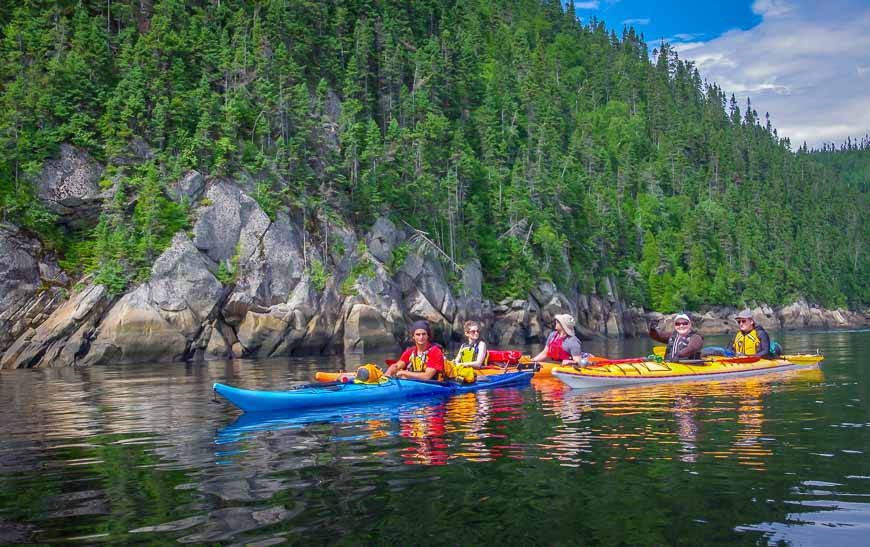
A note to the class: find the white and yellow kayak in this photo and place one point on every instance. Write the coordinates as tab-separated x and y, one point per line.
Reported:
649	371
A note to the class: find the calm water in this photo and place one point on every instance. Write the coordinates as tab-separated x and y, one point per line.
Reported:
142	454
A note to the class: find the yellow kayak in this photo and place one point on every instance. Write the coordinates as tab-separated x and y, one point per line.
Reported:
647	371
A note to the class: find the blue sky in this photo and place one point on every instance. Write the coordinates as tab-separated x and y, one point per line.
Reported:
673	20
806	62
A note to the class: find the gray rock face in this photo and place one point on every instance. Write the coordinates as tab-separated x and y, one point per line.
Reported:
272	262
70	187
382	239
19	270
183	288
425	291
31	285
217	231
511	323
470	306
189	187
161	319
366	330
232	229
134	331
271	305
136	152
59	340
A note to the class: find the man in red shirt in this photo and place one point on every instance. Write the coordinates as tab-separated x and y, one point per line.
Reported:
423	361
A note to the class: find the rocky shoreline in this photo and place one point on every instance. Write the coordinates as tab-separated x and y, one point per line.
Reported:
321	289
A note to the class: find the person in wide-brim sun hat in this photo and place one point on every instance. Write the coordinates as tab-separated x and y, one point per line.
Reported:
562	345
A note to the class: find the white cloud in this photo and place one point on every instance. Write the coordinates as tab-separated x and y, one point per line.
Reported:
772	8
640	21
587	5
805	63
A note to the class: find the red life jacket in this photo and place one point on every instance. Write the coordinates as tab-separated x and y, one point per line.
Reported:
555	350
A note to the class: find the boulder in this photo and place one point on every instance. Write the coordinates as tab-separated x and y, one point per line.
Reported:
189	188
261	333
70	187
135	331
40	347
161	319
366	330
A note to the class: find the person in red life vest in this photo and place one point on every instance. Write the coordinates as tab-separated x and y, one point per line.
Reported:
562	346
423	361
685	343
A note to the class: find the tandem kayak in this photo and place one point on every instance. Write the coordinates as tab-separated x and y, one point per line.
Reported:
648	372
498	361
321	395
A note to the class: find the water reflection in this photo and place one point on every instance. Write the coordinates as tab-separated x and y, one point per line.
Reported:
141	454
684	421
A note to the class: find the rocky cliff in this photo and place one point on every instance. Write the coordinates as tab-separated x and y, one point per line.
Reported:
240	283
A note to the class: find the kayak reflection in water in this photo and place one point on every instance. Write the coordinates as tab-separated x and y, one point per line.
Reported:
426	431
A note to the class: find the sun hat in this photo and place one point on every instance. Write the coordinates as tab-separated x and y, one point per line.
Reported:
567	322
746	314
682	316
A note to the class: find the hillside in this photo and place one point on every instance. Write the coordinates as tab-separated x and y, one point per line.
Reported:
507	132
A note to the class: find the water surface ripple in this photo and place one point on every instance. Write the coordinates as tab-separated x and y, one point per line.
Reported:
144	454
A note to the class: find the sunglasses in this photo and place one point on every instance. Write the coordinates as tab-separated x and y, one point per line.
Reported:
741	321
681	323
472	331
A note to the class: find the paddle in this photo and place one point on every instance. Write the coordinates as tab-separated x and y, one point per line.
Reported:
705	362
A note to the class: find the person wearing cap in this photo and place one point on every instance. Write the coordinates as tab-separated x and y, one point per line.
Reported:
422	361
683	343
562	345
751	340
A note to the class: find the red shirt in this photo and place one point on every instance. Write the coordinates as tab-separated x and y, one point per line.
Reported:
432	356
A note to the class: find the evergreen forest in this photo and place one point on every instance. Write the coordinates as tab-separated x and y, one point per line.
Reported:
509	132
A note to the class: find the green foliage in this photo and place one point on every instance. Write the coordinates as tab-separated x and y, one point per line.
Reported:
268	199
225	274
318	274
546	147
397	257
363	268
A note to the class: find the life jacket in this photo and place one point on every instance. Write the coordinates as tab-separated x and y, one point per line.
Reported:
417	361
369	374
676	344
458	371
748	343
468	353
555	350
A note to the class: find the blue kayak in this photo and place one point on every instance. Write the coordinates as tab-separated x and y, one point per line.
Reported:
320	395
